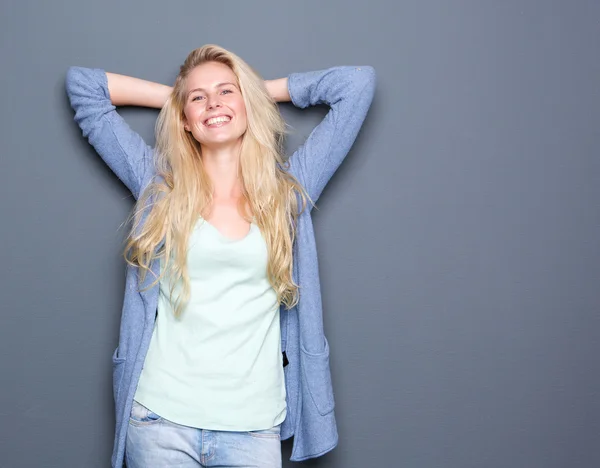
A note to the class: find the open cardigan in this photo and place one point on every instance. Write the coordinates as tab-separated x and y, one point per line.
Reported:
348	91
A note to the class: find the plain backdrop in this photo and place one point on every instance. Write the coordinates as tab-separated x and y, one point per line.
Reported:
459	242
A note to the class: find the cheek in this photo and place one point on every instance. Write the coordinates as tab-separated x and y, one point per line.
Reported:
187	118
192	117
241	112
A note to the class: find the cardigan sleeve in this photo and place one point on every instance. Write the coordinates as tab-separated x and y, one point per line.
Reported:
348	91
123	150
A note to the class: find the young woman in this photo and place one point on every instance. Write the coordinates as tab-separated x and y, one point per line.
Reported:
221	350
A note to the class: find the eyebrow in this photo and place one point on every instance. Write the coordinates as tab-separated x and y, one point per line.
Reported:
218	85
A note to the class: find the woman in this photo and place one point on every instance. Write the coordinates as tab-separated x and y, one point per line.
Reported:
221	350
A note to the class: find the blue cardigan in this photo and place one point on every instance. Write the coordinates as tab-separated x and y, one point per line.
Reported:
348	91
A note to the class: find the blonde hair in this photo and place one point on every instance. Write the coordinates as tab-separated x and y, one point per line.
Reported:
274	197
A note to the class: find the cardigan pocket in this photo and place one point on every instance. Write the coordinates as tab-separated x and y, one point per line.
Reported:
118	369
318	378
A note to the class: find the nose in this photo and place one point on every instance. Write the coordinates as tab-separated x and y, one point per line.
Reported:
213	102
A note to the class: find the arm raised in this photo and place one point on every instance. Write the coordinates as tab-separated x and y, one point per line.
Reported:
348	91
91	92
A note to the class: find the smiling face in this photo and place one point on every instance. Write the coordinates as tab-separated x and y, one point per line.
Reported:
214	109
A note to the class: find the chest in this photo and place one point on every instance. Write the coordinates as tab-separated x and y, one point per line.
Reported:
224	215
212	257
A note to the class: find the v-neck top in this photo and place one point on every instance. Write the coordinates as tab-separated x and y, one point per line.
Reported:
219	365
223	236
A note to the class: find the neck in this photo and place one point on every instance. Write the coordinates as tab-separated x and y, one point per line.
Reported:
222	166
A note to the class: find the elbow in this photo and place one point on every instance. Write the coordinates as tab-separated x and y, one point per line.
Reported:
72	79
366	80
367	76
72	73
367	70
81	78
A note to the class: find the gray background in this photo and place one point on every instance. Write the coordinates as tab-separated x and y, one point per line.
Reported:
459	242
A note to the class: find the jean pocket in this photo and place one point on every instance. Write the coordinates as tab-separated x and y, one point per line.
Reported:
317	375
142	416
272	433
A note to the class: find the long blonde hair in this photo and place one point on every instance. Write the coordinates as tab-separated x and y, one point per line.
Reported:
274	197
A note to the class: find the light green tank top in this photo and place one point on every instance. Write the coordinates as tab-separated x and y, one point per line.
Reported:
219	365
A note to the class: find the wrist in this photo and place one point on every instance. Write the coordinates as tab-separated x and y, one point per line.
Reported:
278	89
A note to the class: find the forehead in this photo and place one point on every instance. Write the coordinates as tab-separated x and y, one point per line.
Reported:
209	75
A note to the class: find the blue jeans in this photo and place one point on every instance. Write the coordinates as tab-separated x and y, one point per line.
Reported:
153	441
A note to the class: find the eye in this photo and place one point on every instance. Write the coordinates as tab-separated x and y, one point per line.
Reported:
197	97
227	91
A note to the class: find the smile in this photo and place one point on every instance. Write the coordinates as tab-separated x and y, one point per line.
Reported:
218	121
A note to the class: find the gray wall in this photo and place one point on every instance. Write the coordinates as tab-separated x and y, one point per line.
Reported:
459	242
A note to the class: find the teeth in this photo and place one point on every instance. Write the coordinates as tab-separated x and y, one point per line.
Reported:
216	120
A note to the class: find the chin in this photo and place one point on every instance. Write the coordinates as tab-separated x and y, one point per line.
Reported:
221	142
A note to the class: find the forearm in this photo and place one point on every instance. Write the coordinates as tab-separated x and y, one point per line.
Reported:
129	91
278	89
